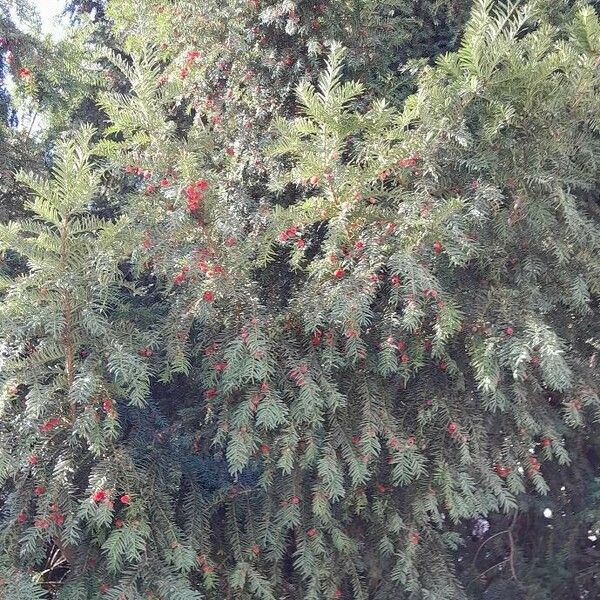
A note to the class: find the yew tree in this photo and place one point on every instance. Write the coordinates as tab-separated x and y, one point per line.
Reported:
341	329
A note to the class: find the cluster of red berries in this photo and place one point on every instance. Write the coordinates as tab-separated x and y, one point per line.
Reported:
25	74
133	170
192	56
318	335
194	193
49	424
414	538
297	374
255	401
409	162
534	464
203	563
210	270
502	471
102	495
55	514
289	234
180	277
145	352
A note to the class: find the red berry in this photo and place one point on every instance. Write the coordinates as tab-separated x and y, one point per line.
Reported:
312	532
107	406
25	73
339	273
443	365
437	247
41	523
21	518
295	500
381	488
255	549
208	296
414	538
38	490
502	471
356	439
210	393
49	424
119	523
192	55
58	519
546	442
404	358
265	449
230	151
452	428
179	278
33	460
164	182
99	495
125	499
395	280
509	330
184	72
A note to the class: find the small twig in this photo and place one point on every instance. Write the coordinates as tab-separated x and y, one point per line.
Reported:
512	557
33	118
489	569
511	544
486	541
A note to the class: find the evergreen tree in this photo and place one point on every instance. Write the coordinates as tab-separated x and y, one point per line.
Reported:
335	330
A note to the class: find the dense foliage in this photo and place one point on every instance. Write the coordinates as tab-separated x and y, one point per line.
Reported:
312	311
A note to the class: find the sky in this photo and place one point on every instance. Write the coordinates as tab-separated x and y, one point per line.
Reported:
49	10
